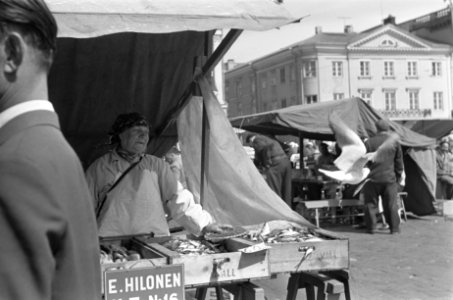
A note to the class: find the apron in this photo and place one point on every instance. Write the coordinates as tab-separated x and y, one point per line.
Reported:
134	207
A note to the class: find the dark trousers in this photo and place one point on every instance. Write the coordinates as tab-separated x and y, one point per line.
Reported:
444	189
389	194
278	177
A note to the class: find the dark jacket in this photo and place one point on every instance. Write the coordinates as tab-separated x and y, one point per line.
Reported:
390	169
267	151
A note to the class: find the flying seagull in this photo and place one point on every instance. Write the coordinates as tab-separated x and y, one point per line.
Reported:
352	162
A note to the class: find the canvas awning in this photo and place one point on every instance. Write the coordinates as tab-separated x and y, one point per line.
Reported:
90	18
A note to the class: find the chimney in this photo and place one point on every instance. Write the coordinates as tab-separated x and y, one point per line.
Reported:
389	20
230	64
348	29
318	29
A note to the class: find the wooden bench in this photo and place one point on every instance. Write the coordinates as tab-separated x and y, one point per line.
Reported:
327	203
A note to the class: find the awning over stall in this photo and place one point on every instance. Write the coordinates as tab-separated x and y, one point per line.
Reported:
90	18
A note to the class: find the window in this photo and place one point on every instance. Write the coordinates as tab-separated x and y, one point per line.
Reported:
283	102
273	77
282	75
338	96
263	81
436	69
390	100
337	68
365	94
413	99
412	68
388	69
310	69
292	73
310	99
364	68
438	101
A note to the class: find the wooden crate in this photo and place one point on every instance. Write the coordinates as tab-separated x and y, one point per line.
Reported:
329	254
149	257
201	270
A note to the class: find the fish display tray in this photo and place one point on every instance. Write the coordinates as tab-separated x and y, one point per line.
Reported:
200	270
331	253
149	258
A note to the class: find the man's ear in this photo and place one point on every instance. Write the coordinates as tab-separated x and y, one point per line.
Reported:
14	51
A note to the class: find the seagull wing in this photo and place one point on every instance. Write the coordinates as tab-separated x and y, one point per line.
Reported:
352	147
337	175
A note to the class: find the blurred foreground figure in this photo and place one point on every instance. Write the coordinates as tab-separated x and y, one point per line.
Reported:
49	247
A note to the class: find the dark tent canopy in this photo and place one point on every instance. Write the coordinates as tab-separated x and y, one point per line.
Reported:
433	128
311	121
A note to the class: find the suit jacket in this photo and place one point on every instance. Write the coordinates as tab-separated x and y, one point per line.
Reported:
390	170
49	247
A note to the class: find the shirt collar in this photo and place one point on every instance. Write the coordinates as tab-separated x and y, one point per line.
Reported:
22	108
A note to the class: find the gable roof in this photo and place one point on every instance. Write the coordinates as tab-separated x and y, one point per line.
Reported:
407	38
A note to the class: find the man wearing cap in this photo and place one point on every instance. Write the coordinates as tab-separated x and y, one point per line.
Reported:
49	248
134	191
384	178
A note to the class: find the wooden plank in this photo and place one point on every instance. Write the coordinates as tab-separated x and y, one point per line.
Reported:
311	204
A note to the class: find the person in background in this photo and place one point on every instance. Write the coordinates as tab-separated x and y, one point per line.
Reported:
49	247
133	192
444	161
173	158
274	164
383	181
325	159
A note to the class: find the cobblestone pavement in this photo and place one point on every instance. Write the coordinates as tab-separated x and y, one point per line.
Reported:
416	264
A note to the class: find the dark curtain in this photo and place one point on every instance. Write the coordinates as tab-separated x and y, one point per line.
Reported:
93	80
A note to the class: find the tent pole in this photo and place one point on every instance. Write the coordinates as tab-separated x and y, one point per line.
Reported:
301	151
207	67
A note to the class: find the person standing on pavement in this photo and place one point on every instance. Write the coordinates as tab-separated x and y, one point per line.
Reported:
273	162
444	170
49	248
383	181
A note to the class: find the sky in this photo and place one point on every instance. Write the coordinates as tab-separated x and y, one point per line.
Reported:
332	16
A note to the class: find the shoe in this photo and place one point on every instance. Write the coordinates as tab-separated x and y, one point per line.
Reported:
395	232
371	231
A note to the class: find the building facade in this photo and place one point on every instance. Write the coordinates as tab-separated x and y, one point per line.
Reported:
398	73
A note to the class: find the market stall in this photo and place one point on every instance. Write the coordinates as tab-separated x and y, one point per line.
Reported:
156	57
311	121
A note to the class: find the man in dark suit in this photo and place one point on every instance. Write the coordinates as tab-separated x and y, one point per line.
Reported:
384	178
49	247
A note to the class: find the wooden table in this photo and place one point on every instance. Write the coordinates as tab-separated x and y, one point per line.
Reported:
326	203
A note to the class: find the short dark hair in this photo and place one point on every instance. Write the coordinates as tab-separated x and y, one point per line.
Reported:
34	21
